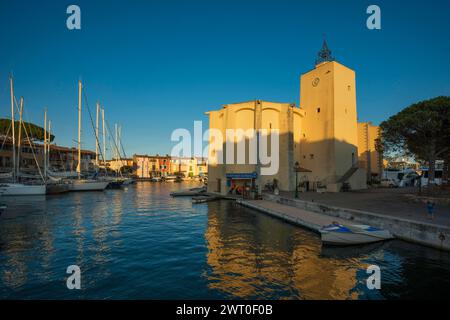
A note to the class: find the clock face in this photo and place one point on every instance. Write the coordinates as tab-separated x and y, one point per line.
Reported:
315	82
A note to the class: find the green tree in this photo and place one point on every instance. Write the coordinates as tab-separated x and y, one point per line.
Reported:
36	133
421	130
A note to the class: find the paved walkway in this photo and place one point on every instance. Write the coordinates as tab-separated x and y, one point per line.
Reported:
390	202
308	219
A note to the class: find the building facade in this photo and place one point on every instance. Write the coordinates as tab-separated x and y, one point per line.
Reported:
368	151
147	166
60	158
225	171
318	142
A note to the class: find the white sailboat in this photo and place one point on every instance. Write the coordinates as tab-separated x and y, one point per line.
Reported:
84	184
15	188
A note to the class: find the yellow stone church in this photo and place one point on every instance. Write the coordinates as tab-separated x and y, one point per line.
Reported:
321	145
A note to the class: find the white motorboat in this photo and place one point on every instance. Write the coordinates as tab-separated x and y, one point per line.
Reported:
88	185
340	235
19	189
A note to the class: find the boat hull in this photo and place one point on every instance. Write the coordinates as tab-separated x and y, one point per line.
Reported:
88	185
57	188
128	181
353	235
16	189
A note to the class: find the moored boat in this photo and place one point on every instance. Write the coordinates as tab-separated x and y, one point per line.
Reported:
128	181
115	184
19	189
340	235
190	192
57	188
88	185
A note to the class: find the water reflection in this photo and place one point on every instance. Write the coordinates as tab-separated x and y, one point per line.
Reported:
252	255
141	243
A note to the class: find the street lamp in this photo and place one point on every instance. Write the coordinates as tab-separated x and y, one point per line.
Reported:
296	169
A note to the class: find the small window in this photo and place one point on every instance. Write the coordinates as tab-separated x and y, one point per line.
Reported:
311	156
318	110
349	88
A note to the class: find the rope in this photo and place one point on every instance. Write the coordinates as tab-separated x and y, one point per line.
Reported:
29	142
92	124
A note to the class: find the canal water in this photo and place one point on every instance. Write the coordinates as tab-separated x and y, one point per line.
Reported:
139	243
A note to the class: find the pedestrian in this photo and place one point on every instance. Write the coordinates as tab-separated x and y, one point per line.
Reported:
430	208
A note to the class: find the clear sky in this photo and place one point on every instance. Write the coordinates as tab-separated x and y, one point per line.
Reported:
159	65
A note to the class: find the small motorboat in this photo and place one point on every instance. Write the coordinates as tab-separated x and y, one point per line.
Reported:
340	235
190	192
115	184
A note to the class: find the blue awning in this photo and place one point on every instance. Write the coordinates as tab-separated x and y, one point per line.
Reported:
250	175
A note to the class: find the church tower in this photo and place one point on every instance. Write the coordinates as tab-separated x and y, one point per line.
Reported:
329	131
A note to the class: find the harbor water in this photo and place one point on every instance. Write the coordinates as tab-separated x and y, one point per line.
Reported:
140	243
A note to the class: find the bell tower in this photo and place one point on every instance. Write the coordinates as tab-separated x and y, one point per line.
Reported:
330	136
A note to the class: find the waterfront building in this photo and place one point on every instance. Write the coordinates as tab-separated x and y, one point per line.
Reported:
66	159
148	166
202	166
164	165
318	141
184	166
60	158
257	115
118	164
368	152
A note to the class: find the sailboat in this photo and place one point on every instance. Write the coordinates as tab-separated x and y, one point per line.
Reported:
84	184
52	185
15	188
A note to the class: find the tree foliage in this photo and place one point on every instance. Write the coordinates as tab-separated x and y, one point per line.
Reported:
421	130
36	133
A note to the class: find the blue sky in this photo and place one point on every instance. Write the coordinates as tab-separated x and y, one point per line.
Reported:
159	65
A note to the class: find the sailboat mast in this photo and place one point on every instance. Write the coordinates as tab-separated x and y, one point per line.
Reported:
115	147
104	137
19	139
48	145
45	144
120	148
11	83
79	129
96	136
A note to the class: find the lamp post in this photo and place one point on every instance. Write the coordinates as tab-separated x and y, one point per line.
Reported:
296	168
